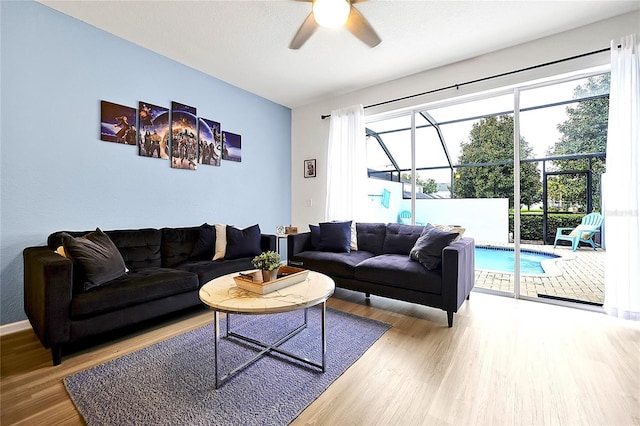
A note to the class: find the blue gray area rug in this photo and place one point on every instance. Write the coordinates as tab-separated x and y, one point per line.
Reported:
172	382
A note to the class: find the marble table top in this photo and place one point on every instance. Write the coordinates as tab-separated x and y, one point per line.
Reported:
223	295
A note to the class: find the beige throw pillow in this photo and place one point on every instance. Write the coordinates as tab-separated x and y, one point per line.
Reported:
450	228
221	241
354	236
61	252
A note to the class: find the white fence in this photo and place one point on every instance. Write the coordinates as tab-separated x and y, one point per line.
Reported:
485	219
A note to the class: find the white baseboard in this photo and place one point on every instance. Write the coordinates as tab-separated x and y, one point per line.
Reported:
14	327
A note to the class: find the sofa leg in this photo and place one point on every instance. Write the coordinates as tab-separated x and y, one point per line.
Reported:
450	318
468	295
56	354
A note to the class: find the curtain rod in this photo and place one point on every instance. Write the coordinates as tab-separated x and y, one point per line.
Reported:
457	86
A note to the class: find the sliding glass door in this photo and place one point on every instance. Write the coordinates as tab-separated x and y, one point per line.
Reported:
564	124
511	167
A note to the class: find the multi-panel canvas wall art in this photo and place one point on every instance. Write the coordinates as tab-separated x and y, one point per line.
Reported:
231	147
184	142
153	131
209	142
175	133
118	123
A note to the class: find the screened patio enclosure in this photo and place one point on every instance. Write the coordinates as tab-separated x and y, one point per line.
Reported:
452	163
442	168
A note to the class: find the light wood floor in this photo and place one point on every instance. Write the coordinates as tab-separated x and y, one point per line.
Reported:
504	362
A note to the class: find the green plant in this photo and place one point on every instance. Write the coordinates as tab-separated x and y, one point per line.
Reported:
531	224
268	261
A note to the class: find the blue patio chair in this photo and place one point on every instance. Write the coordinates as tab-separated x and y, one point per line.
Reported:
405	218
584	232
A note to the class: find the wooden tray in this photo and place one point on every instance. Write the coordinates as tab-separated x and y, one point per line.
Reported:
287	275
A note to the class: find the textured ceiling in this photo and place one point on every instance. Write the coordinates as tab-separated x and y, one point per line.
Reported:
245	43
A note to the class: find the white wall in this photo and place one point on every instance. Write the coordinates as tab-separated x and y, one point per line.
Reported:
309	133
374	210
484	219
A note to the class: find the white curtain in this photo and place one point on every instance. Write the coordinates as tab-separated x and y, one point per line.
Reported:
346	164
621	198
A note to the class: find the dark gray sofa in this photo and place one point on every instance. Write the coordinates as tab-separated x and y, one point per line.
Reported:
381	265
166	268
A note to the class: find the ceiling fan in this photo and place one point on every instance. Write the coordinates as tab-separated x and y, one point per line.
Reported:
332	14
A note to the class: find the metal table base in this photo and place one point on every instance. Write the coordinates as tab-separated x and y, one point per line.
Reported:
266	348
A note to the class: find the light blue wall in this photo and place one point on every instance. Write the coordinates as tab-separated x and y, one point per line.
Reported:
58	175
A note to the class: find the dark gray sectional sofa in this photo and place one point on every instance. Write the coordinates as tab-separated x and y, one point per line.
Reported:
381	265
165	269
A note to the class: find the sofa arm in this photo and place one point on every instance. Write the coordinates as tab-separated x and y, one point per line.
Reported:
268	242
48	289
458	272
297	243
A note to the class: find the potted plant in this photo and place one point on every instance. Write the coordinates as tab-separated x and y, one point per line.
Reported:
269	263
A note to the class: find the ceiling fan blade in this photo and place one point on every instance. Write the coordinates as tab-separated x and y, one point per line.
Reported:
361	28
305	31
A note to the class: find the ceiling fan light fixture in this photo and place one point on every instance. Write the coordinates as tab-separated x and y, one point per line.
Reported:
331	13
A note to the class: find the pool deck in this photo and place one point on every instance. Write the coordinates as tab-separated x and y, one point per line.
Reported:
575	275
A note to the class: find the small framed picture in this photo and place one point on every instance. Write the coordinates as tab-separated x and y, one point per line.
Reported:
310	168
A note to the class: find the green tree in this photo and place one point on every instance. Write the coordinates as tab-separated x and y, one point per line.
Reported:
556	193
584	132
490	141
429	185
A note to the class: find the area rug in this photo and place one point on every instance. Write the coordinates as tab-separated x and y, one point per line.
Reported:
172	382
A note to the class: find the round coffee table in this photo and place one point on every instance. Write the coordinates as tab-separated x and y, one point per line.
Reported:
222	295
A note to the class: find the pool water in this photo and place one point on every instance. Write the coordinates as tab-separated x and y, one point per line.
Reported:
503	260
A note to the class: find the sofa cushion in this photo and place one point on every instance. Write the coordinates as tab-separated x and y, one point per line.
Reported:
396	270
243	242
95	256
400	239
371	236
205	245
331	263
177	244
140	248
335	236
428	248
210	269
134	288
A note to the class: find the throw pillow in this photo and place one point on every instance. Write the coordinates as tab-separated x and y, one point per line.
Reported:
96	256
221	241
428	248
315	236
452	228
243	242
335	237
61	252
205	246
354	237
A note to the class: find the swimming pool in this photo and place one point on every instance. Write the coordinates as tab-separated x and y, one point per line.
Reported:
502	259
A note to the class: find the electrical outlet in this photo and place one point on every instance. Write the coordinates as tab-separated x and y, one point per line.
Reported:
309	202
